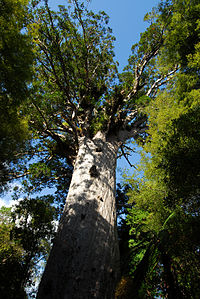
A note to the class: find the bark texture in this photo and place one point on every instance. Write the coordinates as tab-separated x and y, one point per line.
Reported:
84	261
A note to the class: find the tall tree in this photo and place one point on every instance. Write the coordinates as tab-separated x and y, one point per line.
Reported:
81	113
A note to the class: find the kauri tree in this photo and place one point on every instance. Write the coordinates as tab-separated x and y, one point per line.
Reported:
81	112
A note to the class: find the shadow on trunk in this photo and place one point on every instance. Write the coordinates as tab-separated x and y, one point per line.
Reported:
85	264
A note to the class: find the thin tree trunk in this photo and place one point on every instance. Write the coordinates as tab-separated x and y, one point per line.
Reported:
172	290
84	261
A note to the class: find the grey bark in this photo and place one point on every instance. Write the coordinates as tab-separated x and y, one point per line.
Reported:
84	261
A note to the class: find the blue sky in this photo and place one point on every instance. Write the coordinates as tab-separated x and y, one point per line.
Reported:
126	20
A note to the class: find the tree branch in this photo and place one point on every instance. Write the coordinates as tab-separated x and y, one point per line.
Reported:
139	71
130	117
126	157
162	80
134	131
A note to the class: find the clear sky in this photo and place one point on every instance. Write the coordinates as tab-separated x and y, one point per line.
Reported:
126	20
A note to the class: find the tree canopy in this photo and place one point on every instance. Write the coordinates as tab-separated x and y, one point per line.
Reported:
77	90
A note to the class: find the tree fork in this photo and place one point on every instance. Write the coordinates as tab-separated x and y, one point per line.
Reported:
84	261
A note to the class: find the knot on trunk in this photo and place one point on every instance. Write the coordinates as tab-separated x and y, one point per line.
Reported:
94	172
83	216
99	149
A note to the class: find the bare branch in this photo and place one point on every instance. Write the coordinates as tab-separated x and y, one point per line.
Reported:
14	176
130	117
134	131
72	125
126	157
162	80
128	148
57	137
140	69
42	115
79	16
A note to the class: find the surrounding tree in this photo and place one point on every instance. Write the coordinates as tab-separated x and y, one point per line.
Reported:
15	73
164	219
26	232
11	254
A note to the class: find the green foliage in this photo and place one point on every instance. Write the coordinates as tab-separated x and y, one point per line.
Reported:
123	229
78	47
15	52
11	254
15	73
25	238
183	30
77	91
165	216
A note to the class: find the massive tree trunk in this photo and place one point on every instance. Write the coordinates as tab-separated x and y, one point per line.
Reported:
84	261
